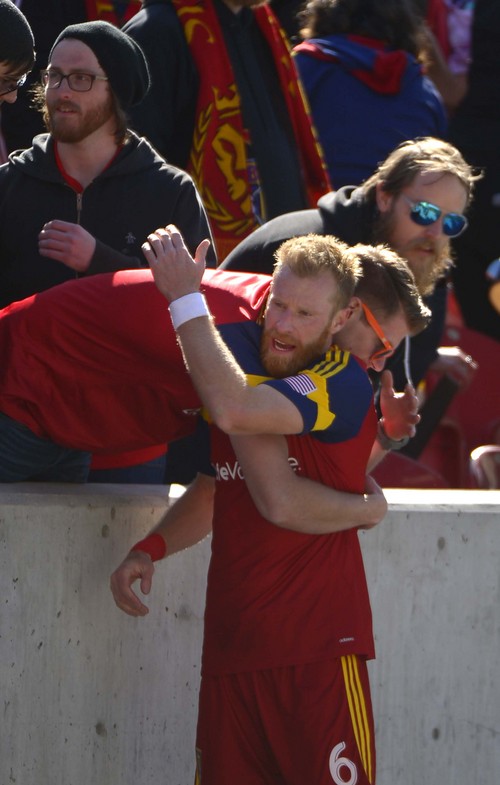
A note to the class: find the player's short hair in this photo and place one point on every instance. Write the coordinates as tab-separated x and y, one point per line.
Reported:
312	254
387	285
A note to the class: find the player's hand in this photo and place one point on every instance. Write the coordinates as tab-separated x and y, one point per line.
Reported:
136	566
67	243
174	270
399	410
376	503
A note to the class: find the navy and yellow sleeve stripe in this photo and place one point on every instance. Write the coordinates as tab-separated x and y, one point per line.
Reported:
333	396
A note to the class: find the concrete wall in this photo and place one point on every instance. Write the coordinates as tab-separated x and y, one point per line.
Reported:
93	697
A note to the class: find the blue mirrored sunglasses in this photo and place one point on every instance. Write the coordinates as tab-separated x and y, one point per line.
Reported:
426	213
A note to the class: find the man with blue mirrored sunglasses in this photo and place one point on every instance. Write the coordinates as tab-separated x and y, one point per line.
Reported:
415	203
425	214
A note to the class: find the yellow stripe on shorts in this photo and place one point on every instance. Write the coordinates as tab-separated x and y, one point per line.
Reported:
357	709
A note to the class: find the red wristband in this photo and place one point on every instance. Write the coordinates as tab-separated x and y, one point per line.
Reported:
154	545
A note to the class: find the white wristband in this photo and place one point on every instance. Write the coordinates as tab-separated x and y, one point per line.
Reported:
188	307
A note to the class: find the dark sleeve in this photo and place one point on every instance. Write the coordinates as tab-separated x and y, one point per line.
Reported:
189	215
21	121
255	254
107	260
166	116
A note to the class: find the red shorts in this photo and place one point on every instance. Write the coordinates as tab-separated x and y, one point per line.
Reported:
302	725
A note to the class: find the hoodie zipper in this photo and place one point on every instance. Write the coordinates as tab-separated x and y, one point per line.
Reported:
79	200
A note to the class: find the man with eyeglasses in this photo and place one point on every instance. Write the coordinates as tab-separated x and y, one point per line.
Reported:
415	203
17	54
82	199
89	191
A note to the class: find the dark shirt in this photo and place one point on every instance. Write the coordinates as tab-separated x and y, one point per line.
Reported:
167	115
20	121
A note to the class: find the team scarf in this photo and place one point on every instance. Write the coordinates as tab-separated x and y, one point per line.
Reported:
109	11
219	163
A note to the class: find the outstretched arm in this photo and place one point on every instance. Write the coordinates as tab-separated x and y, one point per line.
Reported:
234	405
184	524
298	503
399	419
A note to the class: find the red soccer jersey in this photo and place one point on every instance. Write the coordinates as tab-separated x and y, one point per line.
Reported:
276	597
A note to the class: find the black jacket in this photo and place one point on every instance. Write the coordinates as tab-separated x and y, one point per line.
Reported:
167	114
348	215
135	195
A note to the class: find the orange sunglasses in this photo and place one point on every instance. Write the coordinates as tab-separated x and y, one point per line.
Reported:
377	329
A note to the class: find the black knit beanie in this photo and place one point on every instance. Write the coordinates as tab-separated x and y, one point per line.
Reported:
120	57
16	38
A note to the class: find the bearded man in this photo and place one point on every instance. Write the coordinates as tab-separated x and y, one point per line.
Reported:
82	199
287	627
415	203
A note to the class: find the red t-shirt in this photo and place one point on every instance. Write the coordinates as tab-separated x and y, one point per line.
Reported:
94	364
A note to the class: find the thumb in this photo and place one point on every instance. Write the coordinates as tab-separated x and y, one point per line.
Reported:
146	582
387	381
201	252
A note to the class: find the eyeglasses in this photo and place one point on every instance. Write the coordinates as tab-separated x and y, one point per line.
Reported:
11	85
377	329
426	213
80	82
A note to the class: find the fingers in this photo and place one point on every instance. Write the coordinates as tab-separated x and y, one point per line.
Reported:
201	252
125	598
162	243
386	381
135	566
174	270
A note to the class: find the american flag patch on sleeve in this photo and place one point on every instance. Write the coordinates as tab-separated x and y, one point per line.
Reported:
301	383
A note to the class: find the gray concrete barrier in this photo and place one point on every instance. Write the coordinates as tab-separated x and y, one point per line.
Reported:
93	697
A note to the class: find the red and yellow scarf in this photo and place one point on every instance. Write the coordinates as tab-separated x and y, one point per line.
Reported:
218	160
112	11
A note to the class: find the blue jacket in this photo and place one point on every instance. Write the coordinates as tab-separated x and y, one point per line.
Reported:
365	99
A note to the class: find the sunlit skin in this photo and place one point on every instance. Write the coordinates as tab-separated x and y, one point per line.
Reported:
360	339
301	323
8	75
421	246
300	320
76	116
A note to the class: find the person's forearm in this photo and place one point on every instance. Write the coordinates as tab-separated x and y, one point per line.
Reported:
189	519
233	404
298	503
184	524
215	373
107	260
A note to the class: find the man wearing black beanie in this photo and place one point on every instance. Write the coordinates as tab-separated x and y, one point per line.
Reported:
88	193
17	53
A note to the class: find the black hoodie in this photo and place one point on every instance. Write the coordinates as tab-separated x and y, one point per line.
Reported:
135	195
